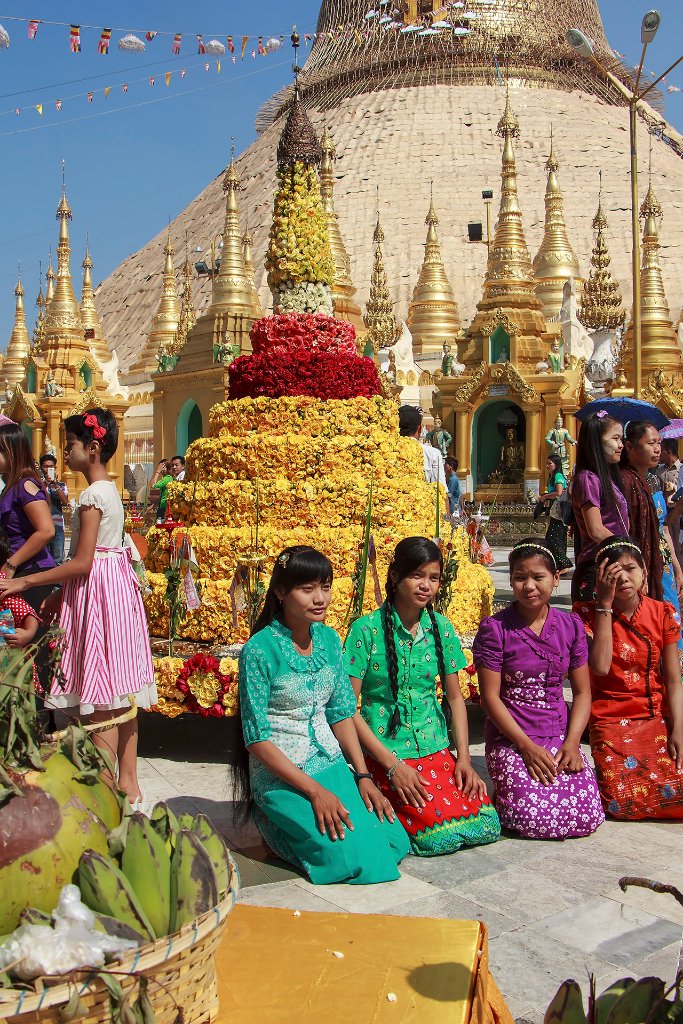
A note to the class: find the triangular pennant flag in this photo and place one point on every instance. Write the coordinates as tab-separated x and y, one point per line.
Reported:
200	45
125	87
107	90
149	36
307	38
151	80
218	67
245	40
167	76
183	72
177	39
39	108
75	39
103	45
231	45
58	105
33	28
90	96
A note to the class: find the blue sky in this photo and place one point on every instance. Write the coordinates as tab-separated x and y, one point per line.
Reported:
128	171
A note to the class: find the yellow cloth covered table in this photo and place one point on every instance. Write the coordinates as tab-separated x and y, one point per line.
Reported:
275	968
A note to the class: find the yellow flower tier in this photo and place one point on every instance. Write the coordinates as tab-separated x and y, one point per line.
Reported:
311	462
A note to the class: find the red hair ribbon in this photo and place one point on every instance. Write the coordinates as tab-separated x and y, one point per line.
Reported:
98	432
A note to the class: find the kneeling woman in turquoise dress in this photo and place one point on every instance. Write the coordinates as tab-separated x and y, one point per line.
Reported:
393	656
297	708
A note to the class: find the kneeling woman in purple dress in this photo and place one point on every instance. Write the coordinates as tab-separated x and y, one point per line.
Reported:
544	787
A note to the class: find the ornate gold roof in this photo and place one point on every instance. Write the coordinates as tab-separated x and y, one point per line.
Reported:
658	341
601	303
555	261
343	289
232	289
298	141
162	335
433	315
19	345
379	317
89	316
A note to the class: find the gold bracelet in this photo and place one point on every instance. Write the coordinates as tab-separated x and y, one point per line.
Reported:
604	611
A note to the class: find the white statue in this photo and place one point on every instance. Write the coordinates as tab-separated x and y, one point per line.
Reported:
600	366
577	342
404	349
8	391
110	373
50	448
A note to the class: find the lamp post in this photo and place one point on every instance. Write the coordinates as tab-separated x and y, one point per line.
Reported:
584	47
487	196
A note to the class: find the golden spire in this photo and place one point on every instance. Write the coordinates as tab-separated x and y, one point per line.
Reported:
162	335
343	289
433	313
188	314
89	315
19	345
249	268
509	278
659	340
65	343
379	317
601	303
50	282
231	286
39	326
555	261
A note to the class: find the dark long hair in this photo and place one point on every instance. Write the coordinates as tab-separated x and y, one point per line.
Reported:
108	444
635	431
294	567
409	556
589	455
557	462
21	465
611	549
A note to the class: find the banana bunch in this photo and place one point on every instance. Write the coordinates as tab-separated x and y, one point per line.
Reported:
625	1002
161	873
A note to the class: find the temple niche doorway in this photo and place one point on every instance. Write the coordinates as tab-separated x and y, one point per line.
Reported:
189	427
498	444
500	346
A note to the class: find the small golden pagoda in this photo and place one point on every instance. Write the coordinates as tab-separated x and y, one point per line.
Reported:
343	290
433	315
659	345
555	262
379	319
602	307
19	345
50	282
90	319
39	326
249	267
197	376
188	314
162	335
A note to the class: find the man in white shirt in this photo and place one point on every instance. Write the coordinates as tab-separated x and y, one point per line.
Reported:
410	425
178	468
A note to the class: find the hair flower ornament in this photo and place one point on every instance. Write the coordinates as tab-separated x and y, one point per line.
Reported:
90	420
283	559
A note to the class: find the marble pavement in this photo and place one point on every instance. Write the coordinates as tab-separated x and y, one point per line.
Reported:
553	910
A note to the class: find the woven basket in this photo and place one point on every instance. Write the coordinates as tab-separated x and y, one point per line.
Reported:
180	970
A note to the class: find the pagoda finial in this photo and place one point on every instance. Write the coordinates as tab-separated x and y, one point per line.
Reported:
90	318
601	303
231	291
659	340
343	289
298	142
19	345
188	314
556	262
383	330
165	321
49	281
433	315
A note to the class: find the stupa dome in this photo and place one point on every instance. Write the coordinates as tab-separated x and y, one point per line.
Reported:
403	110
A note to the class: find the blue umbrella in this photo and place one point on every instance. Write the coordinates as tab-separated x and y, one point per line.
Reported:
625	410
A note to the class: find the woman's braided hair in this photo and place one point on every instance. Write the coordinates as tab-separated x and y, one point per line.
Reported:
411	554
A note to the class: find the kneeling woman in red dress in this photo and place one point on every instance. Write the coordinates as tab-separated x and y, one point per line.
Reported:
393	656
636	725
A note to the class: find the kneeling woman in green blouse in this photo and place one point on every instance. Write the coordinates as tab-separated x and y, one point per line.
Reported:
393	656
297	709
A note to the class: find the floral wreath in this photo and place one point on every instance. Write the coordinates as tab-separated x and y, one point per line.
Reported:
208	689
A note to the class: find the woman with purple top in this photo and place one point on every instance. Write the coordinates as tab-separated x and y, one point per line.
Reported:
25	513
598	504
544	787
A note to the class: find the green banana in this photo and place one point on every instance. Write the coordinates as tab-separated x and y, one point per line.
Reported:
567	1006
607	999
194	889
636	1002
187	821
106	890
147	866
117	929
165	824
215	846
30	915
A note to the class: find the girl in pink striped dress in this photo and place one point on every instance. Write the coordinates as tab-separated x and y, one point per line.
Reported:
105	645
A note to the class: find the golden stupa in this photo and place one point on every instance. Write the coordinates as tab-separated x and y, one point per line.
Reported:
343	290
19	346
433	316
555	262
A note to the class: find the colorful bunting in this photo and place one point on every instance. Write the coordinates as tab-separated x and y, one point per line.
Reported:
39	108
177	39
33	28
90	96
75	39
245	40
231	45
149	36
58	105
218	67
124	87
261	47
151	80
207	66
200	45
183	72
107	90
167	76
103	45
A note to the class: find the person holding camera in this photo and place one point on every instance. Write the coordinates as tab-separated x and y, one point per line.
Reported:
59	499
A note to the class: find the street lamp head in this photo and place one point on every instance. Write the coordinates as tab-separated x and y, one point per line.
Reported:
580	42
651	23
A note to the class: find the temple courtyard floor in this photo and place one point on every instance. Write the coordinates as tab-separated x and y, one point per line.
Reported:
553	910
